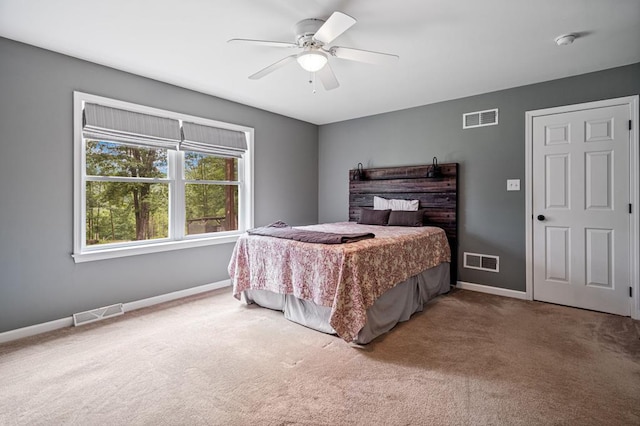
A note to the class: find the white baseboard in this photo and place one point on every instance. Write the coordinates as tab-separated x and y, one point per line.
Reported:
32	330
139	304
45	327
492	290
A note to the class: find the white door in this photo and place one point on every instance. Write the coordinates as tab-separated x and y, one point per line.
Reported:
580	205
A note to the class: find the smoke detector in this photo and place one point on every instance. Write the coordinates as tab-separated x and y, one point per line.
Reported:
565	39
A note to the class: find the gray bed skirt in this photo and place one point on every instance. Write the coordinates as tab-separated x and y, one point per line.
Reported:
394	306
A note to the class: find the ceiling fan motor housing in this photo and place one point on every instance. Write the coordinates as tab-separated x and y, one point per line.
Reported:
305	31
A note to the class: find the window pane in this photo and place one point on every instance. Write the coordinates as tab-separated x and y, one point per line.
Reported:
211	208
120	212
114	159
207	167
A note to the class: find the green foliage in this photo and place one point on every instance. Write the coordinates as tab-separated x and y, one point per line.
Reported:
204	167
129	211
125	211
206	204
113	159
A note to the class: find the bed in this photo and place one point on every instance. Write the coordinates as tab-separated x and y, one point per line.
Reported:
358	290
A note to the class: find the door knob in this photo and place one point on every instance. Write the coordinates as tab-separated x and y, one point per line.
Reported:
541	217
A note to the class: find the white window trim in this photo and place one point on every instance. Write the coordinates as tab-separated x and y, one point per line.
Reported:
81	253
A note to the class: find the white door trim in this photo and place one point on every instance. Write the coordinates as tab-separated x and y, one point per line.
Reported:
634	187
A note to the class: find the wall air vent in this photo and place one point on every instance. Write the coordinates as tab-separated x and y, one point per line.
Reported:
97	314
480	119
483	262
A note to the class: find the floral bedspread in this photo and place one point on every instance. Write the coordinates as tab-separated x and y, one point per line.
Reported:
346	277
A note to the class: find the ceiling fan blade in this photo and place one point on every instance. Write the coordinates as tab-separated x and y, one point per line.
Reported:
363	55
266	43
271	68
328	78
337	23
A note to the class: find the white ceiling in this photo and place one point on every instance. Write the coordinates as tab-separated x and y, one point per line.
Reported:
448	49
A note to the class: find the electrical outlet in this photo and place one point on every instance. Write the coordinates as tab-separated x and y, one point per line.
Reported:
513	184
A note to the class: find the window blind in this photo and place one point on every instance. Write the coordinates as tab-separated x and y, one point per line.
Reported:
212	140
117	125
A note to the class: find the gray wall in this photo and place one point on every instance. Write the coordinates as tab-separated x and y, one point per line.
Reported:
39	281
491	220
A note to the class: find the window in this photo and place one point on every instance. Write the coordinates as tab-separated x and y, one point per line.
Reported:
149	180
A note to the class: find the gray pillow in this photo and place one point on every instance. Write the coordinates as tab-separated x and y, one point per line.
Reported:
374	217
406	218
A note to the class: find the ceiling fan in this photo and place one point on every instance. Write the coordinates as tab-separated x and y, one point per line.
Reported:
313	36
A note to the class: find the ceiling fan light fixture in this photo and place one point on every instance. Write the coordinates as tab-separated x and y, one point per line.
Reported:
312	60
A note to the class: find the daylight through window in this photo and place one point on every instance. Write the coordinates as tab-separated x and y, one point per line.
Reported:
150	180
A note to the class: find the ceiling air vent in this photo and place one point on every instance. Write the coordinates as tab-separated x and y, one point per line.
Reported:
480	119
483	262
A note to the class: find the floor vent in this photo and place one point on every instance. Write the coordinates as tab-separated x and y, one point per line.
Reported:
97	314
483	262
480	119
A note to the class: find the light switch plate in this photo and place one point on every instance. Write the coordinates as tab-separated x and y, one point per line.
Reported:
513	184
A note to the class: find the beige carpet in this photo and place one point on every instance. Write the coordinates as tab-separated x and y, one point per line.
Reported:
469	359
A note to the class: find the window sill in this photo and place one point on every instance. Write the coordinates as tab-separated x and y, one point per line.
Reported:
112	253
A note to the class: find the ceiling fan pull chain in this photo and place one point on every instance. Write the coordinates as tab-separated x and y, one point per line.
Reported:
312	81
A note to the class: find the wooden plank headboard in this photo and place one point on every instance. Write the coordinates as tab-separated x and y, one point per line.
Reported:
438	196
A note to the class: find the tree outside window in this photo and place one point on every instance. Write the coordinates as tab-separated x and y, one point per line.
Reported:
127	193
